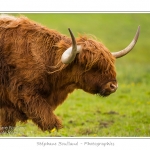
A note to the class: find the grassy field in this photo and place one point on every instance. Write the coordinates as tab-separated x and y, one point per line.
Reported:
125	113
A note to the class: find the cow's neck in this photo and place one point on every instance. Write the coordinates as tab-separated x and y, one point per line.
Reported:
60	92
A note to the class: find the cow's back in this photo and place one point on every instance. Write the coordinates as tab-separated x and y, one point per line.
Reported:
26	51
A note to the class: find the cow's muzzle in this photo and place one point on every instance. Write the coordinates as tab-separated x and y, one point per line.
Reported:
109	88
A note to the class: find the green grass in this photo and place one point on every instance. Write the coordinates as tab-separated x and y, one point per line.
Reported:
125	113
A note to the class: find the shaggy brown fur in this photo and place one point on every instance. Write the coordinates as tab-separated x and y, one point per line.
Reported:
33	81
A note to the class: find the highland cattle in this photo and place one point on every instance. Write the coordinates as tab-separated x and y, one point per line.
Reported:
39	67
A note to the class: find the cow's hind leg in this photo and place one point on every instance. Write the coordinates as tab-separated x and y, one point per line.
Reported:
8	118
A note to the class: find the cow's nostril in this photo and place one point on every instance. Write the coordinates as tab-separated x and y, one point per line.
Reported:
113	87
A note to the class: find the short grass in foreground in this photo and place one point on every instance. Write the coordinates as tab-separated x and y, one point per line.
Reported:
125	113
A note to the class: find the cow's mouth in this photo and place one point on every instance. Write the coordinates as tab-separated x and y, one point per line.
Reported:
102	94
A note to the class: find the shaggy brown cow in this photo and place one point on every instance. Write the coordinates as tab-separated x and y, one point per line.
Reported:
39	67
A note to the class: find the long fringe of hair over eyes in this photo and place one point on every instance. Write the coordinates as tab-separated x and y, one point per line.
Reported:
94	54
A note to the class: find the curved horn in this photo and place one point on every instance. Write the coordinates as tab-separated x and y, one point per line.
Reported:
129	47
69	55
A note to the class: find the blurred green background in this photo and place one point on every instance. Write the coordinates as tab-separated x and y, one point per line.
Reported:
125	113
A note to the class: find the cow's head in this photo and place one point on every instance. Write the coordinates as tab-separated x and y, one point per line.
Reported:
95	64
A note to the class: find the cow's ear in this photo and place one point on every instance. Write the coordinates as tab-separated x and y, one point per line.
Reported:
69	55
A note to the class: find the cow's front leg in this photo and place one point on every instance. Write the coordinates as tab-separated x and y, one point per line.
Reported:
39	111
